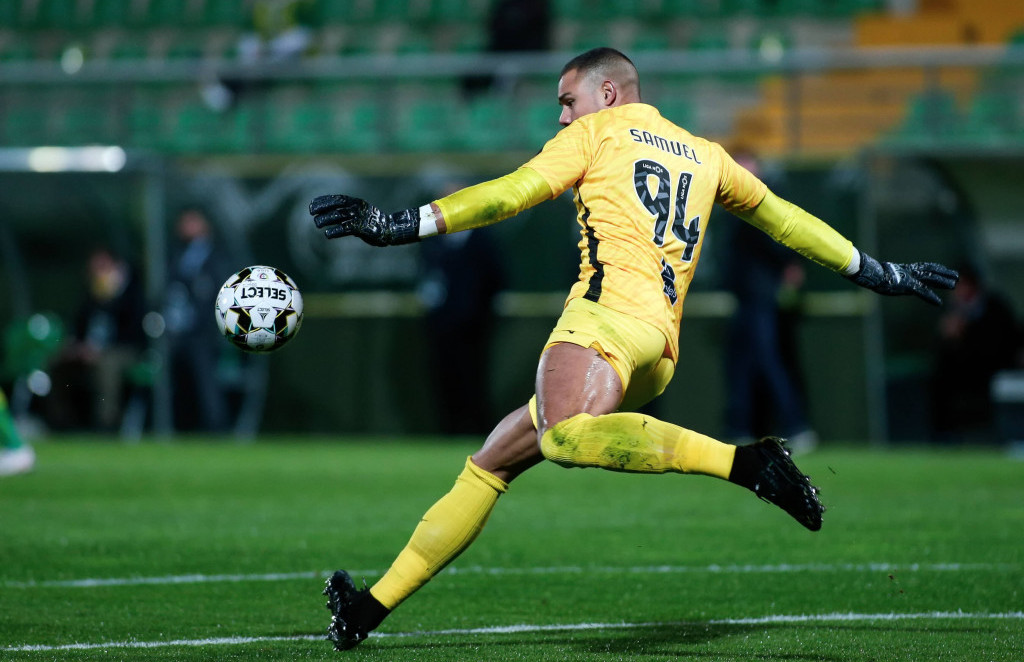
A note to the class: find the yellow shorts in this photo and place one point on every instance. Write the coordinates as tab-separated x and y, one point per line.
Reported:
634	348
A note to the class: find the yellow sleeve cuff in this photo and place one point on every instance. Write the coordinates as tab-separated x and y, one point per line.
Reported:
493	201
803	232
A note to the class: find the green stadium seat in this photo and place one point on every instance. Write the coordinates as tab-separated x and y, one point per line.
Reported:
33	15
626	9
85	122
239	134
487	125
541	123
320	127
195	129
931	116
305	127
344	12
853	7
709	40
18	50
113	13
471	40
166	13
745	7
362	41
813	8
10	13
680	112
25	125
186	47
60	15
690	9
590	35
218	13
992	117
567	9
407	11
415	43
147	125
130	47
360	127
650	40
199	130
458	11
426	125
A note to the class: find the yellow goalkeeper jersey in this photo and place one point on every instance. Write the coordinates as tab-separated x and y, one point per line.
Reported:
644	189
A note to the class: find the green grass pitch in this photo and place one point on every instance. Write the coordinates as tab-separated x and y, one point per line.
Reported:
205	550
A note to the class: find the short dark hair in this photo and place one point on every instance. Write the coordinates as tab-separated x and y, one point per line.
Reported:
596	58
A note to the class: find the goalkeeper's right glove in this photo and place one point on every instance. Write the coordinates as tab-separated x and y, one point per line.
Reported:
343	215
895	279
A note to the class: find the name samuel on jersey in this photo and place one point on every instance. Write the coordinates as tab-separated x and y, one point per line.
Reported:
670	146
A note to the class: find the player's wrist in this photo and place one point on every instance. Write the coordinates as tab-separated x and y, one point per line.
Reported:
869	272
403	227
430	221
853	267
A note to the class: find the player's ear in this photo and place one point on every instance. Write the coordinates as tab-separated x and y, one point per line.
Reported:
609	93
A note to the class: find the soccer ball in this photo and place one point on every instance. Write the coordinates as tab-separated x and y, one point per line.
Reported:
259	309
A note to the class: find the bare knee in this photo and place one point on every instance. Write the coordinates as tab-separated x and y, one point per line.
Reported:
511	448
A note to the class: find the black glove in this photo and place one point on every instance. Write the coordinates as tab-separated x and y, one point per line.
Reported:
893	279
343	216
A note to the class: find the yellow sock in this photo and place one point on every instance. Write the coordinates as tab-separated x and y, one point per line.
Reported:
445	531
635	443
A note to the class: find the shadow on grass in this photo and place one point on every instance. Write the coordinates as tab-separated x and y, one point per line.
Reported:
661	641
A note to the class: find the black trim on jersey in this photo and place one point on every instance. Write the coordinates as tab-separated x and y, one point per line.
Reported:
596	280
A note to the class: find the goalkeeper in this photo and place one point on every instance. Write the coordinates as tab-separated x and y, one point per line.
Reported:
644	189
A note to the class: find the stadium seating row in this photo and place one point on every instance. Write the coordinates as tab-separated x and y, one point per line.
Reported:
175	123
837	111
182	124
98	14
156	44
220	44
934	117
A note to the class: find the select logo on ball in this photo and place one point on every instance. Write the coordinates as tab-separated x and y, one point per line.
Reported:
259	308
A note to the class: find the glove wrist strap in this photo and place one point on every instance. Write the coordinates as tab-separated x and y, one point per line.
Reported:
404	227
871	274
428	221
854	266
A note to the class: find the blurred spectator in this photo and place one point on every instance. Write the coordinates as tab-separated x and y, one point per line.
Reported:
197	271
513	26
107	340
279	34
978	336
762	379
462	275
519	25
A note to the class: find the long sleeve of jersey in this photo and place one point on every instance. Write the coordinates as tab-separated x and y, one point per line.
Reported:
493	201
801	231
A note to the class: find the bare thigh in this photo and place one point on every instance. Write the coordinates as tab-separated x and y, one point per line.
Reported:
570	380
574	380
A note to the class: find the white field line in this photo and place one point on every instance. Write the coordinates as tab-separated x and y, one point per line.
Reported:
782	568
779	619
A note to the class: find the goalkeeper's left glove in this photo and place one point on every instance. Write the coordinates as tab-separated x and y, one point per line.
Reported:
342	215
894	279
